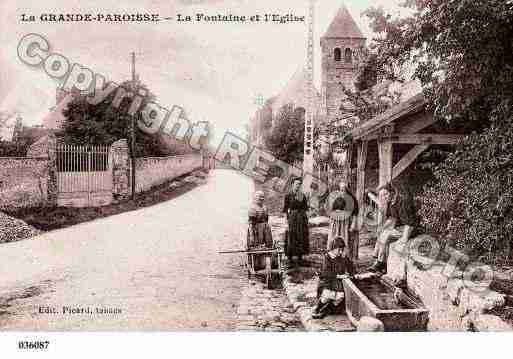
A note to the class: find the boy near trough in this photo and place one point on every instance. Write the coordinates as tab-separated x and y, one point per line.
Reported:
330	292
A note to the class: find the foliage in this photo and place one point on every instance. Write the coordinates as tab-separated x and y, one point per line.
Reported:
369	103
14	149
88	124
463	55
361	106
462	51
368	76
470	205
286	138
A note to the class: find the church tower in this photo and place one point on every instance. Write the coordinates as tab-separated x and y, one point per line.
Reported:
342	48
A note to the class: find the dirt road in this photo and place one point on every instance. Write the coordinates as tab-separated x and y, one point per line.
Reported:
151	269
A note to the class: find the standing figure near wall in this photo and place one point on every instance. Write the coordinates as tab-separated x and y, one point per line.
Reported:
343	208
295	207
259	234
259	231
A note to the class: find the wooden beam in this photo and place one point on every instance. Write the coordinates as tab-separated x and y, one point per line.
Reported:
420	122
408	107
408	160
421	138
432	139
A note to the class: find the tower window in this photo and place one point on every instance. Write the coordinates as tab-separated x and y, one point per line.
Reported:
337	54
348	56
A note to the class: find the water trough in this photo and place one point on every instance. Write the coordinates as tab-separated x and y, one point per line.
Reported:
374	296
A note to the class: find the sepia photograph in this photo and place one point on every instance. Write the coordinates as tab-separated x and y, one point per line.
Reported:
255	168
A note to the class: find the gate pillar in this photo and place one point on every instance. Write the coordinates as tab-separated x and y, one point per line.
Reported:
45	148
119	164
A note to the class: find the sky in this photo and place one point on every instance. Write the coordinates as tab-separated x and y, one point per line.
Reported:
214	70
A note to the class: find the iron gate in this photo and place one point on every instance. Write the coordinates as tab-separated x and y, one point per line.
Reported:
84	177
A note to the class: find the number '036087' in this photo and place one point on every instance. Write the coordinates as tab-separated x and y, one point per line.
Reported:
33	345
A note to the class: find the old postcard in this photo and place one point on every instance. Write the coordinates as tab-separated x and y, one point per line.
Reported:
256	166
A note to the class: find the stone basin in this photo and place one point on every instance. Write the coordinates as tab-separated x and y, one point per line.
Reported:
373	296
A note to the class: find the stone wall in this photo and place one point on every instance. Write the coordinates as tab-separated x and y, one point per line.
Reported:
154	171
23	182
453	306
30	181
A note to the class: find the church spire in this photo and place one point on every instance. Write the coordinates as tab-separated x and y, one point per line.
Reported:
343	26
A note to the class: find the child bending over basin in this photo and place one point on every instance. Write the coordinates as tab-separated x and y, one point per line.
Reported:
330	292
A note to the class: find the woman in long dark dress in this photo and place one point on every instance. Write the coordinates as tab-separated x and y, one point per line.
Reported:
296	206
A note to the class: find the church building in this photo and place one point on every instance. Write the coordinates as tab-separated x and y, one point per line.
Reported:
342	49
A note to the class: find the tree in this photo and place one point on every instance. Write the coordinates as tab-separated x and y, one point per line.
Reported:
463	55
368	76
285	139
88	124
8	148
462	52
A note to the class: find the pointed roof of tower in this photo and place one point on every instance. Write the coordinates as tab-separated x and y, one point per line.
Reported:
343	26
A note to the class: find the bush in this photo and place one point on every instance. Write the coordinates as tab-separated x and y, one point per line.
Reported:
469	205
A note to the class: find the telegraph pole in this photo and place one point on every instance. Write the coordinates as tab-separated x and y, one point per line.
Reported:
308	160
132	128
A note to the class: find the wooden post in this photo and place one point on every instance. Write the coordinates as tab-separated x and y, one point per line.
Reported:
348	163
385	148
361	161
360	180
